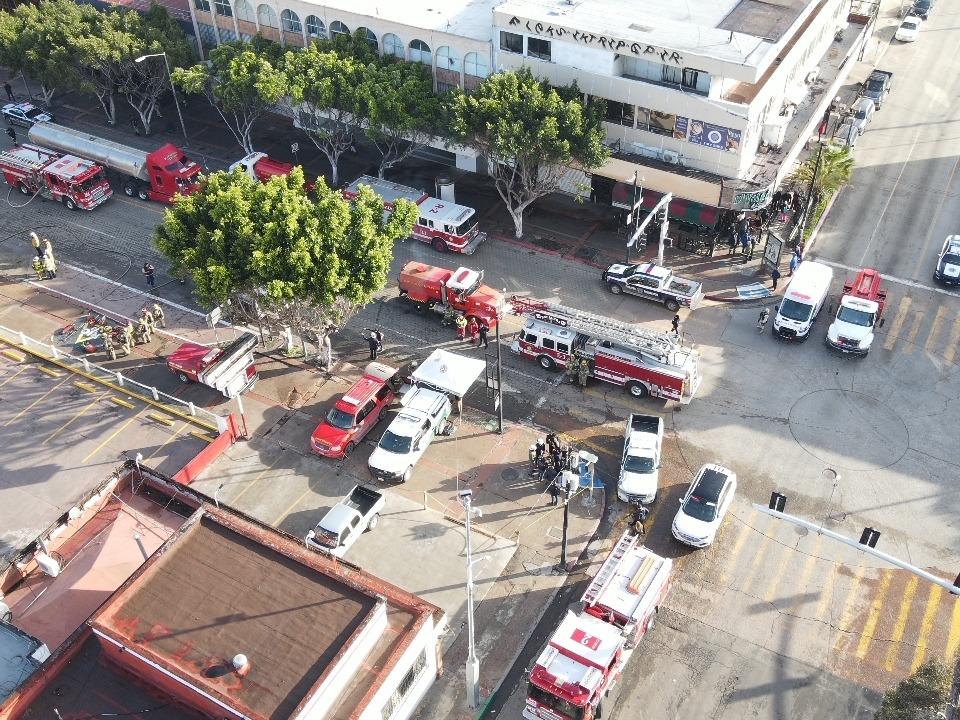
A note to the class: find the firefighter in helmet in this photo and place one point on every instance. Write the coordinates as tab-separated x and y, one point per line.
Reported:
158	317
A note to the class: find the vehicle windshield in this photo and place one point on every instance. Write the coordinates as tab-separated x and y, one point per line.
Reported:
557	704
875	85
909	25
951	259
467	227
922	4
855	317
699	509
636	464
34	113
861	114
793	310
391	442
341	419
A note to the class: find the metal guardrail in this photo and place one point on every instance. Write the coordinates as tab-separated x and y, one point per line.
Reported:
83	366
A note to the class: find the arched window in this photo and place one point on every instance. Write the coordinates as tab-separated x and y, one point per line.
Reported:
448	59
338	28
475	64
315	27
267	16
371	39
291	22
420	52
393	45
223	8
244	11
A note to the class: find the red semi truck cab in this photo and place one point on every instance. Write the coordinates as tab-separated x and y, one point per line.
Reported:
461	289
229	369
171	173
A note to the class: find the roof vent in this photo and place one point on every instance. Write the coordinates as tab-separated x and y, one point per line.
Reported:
241	666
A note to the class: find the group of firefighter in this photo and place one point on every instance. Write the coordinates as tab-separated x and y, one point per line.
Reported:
131	334
578	368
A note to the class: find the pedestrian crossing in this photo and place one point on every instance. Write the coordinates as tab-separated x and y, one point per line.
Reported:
918	322
818	599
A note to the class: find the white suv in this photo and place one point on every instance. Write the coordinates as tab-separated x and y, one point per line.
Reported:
424	414
704	506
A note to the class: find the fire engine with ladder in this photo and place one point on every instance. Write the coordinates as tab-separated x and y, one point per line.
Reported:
585	656
75	182
645	361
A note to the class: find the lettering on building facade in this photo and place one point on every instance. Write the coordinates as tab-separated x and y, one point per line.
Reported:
752	200
607	43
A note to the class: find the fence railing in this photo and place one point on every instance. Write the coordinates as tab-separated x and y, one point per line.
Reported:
83	366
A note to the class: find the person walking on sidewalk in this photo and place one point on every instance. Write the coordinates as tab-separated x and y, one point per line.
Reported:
675	325
12	134
148	271
775	276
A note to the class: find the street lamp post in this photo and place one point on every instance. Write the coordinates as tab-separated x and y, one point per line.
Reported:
173	89
473	662
634	212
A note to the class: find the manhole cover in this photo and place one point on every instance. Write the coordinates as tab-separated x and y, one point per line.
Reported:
509	474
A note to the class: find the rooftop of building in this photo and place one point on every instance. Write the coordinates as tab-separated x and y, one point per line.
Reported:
464	18
20	655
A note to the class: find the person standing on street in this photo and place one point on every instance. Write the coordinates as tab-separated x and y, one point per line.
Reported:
794	261
484	331
461	323
35	239
775	276
50	266
12	134
6	86
148	271
374	346
676	325
47	247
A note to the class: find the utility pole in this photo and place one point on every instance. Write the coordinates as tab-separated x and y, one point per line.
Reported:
499	381
473	662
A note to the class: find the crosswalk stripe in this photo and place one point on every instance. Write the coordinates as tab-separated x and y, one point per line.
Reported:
745	526
808	567
849	606
893	334
954	638
870	627
951	348
756	559
786	560
931	346
933	602
826	595
911	339
897	635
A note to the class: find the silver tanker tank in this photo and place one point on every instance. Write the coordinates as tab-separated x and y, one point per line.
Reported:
118	157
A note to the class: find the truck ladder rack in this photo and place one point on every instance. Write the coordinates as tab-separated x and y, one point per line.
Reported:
604	328
624	545
22	163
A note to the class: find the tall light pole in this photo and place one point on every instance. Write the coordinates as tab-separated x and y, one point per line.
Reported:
634	211
173	89
473	662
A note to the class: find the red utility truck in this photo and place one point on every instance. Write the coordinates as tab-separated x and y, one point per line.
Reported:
159	175
444	225
860	311
646	362
460	290
260	167
75	182
228	369
586	655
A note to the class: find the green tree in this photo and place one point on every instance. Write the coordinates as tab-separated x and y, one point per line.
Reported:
242	84
922	696
529	133
100	54
325	87
402	108
826	173
279	257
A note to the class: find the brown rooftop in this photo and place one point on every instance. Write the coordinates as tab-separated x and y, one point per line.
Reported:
214	592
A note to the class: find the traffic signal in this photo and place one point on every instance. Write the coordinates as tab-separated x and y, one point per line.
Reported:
869	537
778	501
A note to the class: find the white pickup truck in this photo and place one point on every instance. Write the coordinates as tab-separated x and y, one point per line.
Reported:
424	415
640	469
346	521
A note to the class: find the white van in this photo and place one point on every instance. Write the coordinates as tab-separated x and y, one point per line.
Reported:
805	296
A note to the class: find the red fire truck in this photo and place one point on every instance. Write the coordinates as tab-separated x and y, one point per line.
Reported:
646	362
585	656
75	182
445	225
442	290
228	369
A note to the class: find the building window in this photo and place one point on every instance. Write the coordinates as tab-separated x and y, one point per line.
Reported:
203	5
393	45
447	59
619	113
696	80
475	64
641	69
406	684
267	16
420	52
672	75
244	11
315	27
371	39
662	123
223	8
643	118
291	22
538	48
511	42
338	28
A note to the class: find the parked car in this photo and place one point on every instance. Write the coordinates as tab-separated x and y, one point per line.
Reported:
25	114
909	29
948	262
704	506
354	415
863	112
424	415
922	8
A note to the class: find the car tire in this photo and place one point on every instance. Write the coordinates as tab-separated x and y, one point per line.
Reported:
374	521
672	305
637	389
547	362
129	189
24	189
382	415
407	474
183	377
349	448
439	245
142	193
615	289
69	203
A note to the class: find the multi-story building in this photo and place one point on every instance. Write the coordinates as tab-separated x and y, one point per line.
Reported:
708	99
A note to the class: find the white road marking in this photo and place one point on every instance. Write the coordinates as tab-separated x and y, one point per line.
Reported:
890	278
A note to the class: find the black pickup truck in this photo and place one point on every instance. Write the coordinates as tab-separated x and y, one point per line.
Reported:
877	86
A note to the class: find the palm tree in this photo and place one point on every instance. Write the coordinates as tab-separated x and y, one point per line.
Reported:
826	173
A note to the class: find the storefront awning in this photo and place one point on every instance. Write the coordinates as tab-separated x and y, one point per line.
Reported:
680	208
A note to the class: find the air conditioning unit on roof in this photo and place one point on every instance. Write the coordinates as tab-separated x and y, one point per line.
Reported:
671	156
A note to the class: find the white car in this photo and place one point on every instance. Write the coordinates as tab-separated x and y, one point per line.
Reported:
25	114
424	414
909	29
863	113
704	506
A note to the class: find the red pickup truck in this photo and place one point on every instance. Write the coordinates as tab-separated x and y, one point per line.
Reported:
229	369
